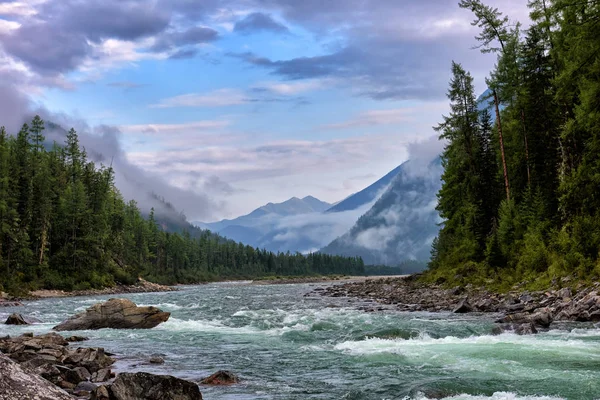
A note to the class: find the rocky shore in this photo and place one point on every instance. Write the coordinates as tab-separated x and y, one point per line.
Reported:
518	310
141	286
51	367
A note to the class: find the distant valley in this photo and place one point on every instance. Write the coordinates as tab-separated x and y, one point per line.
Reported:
391	221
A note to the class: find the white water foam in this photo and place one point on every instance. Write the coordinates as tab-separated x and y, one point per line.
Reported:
405	347
495	396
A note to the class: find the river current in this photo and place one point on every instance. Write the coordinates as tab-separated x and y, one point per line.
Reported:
284	345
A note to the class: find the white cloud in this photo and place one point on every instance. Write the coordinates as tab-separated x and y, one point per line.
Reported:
174	128
217	98
19	8
294	88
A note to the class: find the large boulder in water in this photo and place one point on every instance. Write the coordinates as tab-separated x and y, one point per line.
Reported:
144	386
18	319
117	314
16	384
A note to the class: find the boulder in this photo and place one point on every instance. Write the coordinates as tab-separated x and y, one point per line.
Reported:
84	388
76	338
100	393
16	384
93	359
220	378
156	360
144	386
19	319
463	307
116	314
101	376
74	375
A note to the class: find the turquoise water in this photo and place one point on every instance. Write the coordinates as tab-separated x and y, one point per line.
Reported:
287	346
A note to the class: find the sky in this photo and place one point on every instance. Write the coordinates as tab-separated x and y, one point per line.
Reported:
221	106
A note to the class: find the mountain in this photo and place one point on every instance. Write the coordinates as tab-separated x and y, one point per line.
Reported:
401	224
267	226
270	211
366	195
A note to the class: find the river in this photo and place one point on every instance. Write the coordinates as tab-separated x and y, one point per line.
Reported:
284	345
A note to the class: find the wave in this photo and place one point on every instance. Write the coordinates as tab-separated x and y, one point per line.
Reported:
495	396
402	346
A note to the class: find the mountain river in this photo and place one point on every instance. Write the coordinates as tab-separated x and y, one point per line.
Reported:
284	345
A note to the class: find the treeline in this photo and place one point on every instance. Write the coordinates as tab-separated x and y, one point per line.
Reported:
64	225
521	185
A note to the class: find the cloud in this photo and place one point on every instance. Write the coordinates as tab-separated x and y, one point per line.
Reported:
126	85
375	117
173	128
18	8
217	98
36	45
292	88
102	19
235	162
183	54
192	36
259	22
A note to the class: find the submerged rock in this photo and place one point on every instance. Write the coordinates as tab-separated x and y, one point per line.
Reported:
117	314
519	329
221	378
144	386
16	384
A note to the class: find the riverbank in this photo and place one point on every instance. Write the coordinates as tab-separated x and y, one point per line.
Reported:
141	286
538	308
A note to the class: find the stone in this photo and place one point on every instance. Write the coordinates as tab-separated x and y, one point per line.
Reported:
75	338
93	359
17	384
220	378
463	307
116	314
100	393
519	329
19	319
102	375
84	388
76	375
542	317
145	386
156	360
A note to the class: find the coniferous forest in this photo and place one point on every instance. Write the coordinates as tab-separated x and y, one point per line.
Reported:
521	185
64	225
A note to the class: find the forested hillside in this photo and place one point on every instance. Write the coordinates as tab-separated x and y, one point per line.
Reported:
521	187
64	225
401	224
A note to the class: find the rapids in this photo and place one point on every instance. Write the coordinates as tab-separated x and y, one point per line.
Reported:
287	346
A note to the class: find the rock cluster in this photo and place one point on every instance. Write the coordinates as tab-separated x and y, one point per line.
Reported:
144	386
50	357
524	312
117	314
45	367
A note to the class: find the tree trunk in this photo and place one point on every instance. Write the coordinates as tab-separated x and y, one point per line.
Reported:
504	169
44	240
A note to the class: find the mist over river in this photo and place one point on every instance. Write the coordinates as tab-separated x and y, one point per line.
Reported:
284	345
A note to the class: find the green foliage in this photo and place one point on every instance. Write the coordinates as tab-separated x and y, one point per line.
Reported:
64	225
548	81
